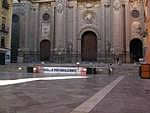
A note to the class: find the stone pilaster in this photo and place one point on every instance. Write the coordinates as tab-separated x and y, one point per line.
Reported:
116	26
27	25
60	21
52	28
34	25
75	35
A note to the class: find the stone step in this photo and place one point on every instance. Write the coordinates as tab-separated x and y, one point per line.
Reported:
121	69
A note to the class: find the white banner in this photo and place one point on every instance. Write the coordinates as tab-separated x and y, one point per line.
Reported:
64	70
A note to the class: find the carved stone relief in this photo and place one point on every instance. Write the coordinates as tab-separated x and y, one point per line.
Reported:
89	17
136	29
45	29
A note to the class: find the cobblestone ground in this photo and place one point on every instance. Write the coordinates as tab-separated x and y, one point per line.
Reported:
130	95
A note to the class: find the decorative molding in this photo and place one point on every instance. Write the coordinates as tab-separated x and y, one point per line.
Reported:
89	28
59	6
89	5
116	5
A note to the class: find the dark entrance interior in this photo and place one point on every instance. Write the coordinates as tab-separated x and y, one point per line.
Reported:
15	38
2	58
89	46
136	50
45	50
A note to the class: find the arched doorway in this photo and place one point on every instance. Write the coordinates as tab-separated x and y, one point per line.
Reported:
89	46
136	50
15	34
44	50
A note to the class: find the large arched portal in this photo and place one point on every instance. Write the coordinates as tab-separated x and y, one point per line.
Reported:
136	50
15	37
45	50
89	46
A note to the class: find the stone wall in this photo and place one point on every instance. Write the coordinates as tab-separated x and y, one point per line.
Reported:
115	24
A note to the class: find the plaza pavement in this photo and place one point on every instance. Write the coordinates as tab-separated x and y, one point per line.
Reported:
95	94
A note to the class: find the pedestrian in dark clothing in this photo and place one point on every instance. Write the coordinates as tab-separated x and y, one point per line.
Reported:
117	60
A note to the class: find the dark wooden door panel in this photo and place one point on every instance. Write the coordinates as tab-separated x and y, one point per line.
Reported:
136	50
44	50
89	47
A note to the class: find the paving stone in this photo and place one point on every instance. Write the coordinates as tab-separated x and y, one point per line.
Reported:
131	95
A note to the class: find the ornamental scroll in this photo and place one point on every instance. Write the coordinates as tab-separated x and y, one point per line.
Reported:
59	6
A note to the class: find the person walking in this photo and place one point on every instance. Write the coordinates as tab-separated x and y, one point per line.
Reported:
117	60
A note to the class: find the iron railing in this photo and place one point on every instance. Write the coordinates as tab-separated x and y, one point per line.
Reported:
71	57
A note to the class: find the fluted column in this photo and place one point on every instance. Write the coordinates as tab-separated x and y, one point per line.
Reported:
116	26
60	21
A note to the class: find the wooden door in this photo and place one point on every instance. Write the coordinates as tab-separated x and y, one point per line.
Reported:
136	50
89	46
45	50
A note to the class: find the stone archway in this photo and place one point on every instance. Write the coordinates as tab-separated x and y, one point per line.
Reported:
136	50
89	46
15	34
45	50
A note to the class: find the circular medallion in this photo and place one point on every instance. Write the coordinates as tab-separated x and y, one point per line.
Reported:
135	13
45	16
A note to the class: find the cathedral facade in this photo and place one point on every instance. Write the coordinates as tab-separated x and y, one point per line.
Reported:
78	30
